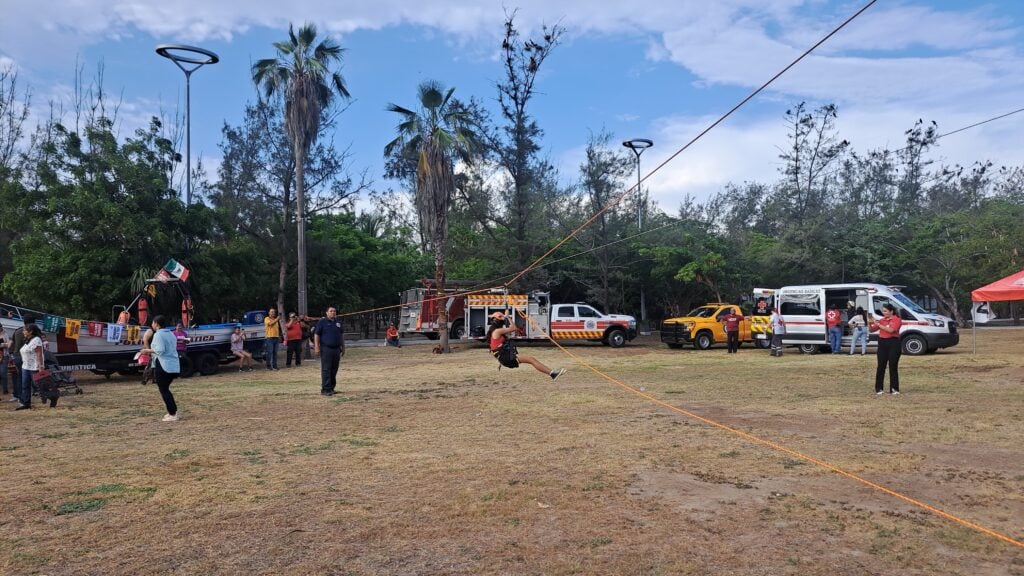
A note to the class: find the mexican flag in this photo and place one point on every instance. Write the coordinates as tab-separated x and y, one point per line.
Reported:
175	268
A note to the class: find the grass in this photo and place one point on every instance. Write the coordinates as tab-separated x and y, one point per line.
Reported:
428	464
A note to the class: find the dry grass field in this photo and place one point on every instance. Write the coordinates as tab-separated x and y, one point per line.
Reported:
444	465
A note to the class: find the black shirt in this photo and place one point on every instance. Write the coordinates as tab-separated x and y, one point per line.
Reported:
330	332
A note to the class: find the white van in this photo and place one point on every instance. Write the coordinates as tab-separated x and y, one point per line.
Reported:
803	308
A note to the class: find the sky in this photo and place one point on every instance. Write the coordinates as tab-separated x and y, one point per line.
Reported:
657	69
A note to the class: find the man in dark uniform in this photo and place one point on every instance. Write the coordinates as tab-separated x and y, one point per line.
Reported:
329	343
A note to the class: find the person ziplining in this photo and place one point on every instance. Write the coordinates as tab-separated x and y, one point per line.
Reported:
499	337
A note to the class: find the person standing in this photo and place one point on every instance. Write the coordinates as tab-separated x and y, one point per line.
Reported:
3	359
31	362
272	326
731	319
180	339
778	331
166	366
293	340
329	344
17	341
834	324
859	324
890	347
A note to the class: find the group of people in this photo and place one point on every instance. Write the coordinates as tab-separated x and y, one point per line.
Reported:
890	347
294	333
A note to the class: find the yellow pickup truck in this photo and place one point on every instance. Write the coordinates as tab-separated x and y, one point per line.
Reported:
703	327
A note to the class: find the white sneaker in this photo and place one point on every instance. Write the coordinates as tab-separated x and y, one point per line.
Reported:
895	392
557	373
171	418
879	393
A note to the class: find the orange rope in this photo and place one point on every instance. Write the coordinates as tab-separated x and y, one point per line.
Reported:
773	445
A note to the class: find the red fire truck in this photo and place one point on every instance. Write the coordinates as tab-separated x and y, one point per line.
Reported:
419	309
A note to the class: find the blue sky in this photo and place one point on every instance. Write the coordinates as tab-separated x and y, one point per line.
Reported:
656	69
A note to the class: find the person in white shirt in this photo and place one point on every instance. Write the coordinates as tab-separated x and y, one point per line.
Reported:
859	324
31	362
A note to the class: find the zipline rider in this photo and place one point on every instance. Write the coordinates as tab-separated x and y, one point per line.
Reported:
501	345
329	343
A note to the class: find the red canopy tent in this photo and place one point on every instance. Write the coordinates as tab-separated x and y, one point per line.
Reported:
1009	288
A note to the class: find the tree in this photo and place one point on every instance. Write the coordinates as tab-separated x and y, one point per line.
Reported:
301	74
438	134
518	149
255	192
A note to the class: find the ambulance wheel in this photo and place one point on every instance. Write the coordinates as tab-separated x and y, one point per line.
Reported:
762	343
914	345
809	348
187	368
703	341
208	364
616	338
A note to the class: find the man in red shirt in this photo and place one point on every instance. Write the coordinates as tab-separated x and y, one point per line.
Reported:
834	324
731	319
293	339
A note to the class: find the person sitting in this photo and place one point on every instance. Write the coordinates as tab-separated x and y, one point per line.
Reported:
391	336
238	349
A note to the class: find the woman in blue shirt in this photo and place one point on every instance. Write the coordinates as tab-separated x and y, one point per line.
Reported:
165	364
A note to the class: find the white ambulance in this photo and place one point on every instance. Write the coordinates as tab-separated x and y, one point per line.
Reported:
803	309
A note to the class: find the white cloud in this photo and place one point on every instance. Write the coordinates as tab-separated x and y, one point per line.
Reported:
745	150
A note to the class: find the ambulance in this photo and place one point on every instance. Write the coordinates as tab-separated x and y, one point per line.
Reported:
803	309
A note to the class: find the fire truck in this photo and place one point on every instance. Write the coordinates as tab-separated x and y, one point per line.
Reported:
538	319
420	307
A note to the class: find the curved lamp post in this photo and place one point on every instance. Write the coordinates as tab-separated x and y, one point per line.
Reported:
638	145
189	59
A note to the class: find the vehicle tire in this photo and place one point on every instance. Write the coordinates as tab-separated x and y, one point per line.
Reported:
207	364
187	368
458	331
762	343
616	338
703	341
914	345
674	345
810	348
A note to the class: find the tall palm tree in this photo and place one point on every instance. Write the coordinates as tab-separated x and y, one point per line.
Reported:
442	131
301	73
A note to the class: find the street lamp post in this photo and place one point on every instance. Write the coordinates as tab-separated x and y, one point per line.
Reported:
189	59
638	145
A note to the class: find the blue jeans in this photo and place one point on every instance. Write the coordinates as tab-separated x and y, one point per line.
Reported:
835	338
272	345
3	372
860	333
26	386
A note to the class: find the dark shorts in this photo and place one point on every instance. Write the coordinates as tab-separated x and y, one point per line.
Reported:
507	357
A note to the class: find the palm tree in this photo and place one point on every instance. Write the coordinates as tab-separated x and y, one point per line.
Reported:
440	132
301	73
